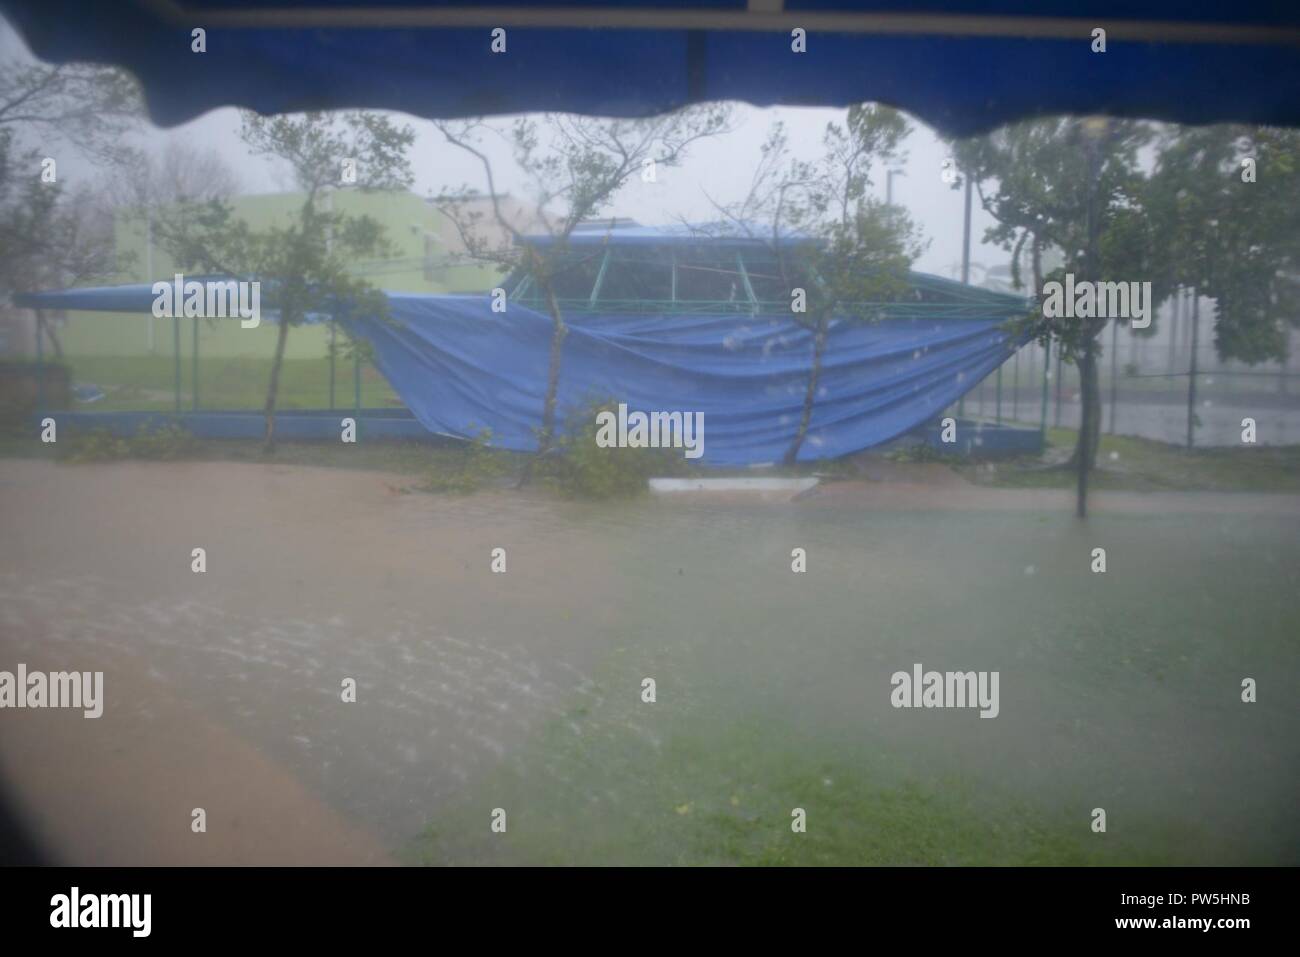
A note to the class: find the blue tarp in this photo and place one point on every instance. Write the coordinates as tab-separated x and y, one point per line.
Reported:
962	66
461	368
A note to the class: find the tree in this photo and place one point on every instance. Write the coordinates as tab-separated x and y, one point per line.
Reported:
1231	229
1073	183
52	239
572	166
83	107
49	238
847	253
304	264
179	173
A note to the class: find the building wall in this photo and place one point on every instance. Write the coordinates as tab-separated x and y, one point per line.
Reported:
420	261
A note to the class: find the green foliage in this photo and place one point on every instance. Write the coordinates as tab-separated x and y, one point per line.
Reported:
583	469
97	446
853	253
49	238
163	443
858	250
920	452
467	469
1233	240
572	167
305	266
1037	180
1193	222
1074	185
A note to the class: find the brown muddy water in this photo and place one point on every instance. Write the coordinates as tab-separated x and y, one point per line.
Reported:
475	689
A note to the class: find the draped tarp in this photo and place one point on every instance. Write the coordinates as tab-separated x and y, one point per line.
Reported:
462	368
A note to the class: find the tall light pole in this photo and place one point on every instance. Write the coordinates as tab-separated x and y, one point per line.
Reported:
965	266
148	263
1096	133
965	236
329	248
889	185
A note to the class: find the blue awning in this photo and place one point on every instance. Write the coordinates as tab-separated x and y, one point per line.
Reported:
962	66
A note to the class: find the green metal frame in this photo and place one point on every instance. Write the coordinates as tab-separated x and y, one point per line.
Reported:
176	367
901	310
194	368
600	280
176	341
1047	375
749	288
40	360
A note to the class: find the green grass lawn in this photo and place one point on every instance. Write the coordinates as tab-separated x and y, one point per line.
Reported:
1140	465
1145	465
147	383
731	803
1119	691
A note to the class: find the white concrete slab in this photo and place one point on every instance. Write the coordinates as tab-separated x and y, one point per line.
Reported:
791	486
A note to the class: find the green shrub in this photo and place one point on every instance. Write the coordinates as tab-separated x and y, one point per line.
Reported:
97	446
922	452
583	469
468	468
162	443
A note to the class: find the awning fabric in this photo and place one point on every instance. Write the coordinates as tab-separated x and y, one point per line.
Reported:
963	66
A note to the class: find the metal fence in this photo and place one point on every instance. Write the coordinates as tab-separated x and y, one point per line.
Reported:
1154	386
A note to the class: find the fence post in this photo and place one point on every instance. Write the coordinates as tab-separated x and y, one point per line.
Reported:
1047	375
1285	363
1015	387
1174	315
176	349
997	407
1057	418
1191	376
1114	369
40	361
194	367
356	379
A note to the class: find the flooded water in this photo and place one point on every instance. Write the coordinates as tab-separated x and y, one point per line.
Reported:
523	690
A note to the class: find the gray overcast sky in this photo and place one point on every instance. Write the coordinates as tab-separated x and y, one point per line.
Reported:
719	167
